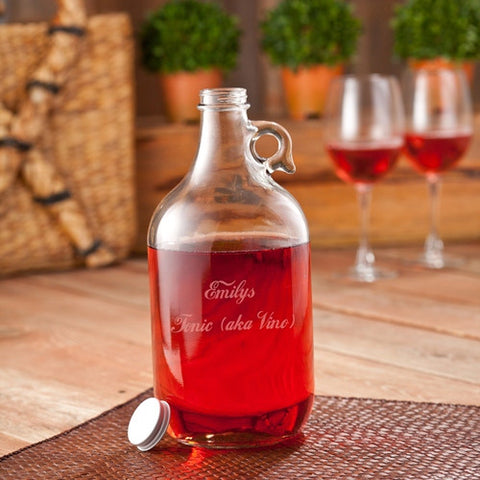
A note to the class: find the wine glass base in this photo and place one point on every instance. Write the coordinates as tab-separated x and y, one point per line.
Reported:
368	275
438	262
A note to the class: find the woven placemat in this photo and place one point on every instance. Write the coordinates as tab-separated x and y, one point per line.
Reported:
345	438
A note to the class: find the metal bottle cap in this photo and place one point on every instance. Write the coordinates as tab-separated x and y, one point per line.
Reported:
149	423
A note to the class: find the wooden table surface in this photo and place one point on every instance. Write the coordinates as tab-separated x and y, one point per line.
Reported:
74	344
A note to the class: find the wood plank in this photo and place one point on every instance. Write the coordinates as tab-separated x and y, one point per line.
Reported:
418	298
11	443
400	208
375	45
51	397
54	351
179	144
451	286
123	284
340	374
465	254
108	318
399	212
425	314
409	348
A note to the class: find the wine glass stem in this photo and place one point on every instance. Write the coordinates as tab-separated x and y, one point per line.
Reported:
365	258
433	243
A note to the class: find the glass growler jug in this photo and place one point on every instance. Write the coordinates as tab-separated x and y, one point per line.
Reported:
229	267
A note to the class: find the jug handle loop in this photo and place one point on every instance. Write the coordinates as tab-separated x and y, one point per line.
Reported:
282	159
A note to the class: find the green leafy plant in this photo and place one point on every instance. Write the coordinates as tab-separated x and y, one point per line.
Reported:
425	29
188	35
310	32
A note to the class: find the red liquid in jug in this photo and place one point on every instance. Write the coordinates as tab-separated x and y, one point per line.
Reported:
232	341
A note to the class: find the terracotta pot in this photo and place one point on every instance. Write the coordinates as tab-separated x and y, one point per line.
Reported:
306	89
468	66
181	93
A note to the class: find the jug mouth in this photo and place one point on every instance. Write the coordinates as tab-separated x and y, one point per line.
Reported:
223	97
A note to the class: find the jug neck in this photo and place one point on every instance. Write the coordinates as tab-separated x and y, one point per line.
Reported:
224	130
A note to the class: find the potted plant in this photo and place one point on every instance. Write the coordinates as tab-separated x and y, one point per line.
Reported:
442	33
190	44
311	40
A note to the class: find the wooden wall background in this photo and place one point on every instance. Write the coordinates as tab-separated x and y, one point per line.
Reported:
253	71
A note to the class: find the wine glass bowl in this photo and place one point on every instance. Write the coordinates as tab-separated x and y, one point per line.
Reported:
438	132
364	127
436	152
365	162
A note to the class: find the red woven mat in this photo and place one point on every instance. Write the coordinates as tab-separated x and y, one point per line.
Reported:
345	438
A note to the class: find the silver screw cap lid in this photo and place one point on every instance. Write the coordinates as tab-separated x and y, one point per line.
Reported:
149	423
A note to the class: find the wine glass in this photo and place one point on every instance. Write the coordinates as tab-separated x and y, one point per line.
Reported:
438	131
364	128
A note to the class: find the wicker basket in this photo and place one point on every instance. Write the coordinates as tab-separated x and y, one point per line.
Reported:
87	138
